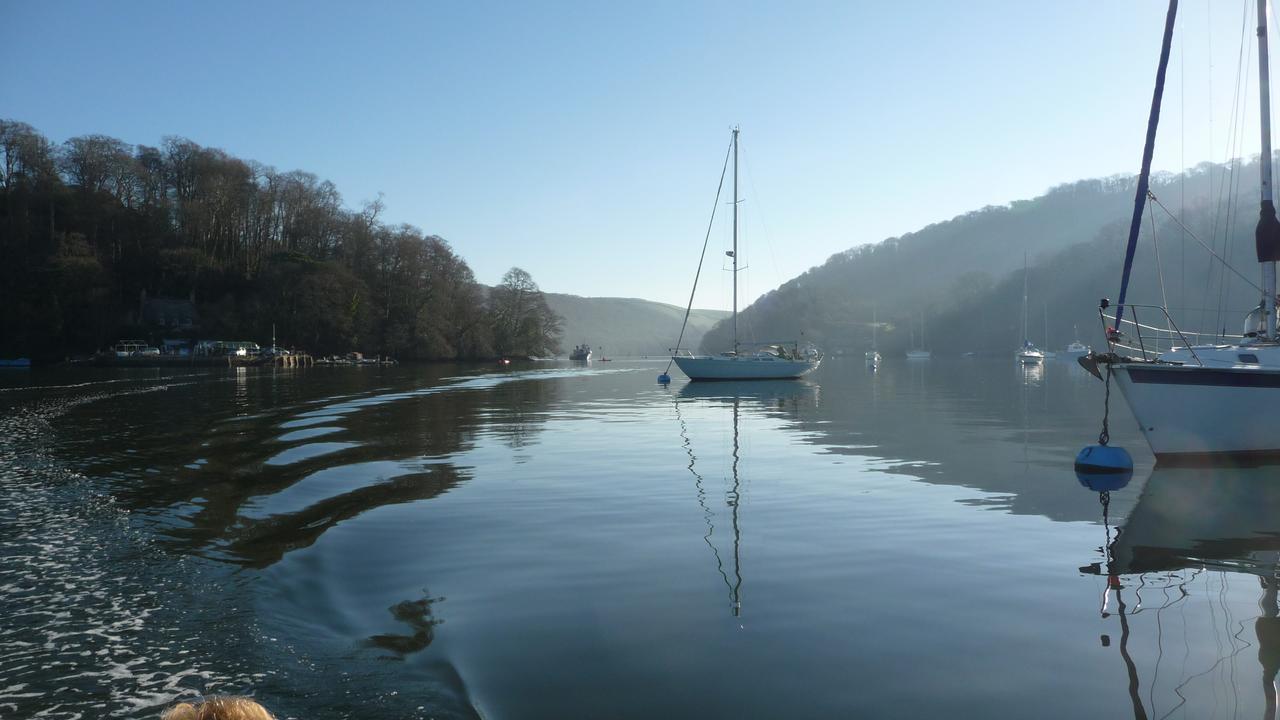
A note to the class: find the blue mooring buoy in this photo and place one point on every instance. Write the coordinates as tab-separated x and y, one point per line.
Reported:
664	378
1104	482
1104	459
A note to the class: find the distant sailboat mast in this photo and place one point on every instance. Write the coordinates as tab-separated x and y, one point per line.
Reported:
1025	337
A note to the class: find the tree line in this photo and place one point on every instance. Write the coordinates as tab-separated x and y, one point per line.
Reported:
93	226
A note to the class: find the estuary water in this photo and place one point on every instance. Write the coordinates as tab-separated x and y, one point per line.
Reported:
553	541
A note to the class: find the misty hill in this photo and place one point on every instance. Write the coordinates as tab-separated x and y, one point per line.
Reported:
963	278
627	326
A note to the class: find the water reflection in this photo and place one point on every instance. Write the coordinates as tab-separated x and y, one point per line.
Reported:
353	443
1192	531
780	395
419	615
1031	374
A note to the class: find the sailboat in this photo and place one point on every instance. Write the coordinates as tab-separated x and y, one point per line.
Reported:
919	353
873	355
1028	354
1202	400
772	361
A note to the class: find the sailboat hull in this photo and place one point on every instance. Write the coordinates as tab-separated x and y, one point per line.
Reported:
1186	412
743	367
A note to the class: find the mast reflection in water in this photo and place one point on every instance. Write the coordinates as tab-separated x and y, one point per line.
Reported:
778	394
1192	535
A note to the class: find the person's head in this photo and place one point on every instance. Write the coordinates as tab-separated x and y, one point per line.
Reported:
219	708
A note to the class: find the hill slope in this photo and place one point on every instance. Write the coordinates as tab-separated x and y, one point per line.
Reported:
964	276
627	326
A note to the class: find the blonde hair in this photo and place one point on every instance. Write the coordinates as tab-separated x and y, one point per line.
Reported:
219	708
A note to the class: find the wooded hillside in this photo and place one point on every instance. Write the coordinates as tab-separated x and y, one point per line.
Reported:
963	278
93	228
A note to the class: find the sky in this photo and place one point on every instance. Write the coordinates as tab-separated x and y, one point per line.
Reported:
583	141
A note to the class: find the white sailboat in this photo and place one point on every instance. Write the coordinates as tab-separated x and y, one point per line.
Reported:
1203	400
1028	354
873	355
919	353
772	361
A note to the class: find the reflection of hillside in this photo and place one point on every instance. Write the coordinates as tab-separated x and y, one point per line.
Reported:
387	441
970	422
259	543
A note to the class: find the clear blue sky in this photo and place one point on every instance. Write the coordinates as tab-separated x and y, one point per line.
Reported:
582	141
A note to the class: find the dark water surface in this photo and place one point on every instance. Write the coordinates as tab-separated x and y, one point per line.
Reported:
555	541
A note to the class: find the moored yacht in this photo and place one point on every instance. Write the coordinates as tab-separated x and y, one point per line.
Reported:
770	361
1202	400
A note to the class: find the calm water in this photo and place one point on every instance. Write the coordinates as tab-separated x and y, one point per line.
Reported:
554	541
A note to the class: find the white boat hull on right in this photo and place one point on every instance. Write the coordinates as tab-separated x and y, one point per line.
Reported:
1190	411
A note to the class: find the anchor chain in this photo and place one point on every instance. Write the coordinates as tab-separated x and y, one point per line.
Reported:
1105	436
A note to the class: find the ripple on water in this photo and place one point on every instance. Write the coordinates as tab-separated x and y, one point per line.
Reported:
309	421
308	433
308	452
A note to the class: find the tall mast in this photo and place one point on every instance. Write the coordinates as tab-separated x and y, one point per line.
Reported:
735	240
1024	298
1267	235
1144	176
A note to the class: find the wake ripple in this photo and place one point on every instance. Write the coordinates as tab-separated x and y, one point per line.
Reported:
95	620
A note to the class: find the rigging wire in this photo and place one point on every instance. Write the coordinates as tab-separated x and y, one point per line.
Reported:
707	514
1234	166
764	228
1216	195
1164	299
1195	237
698	274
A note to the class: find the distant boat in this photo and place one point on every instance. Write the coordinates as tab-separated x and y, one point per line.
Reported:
16	363
1076	348
772	361
581	353
1028	354
919	353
